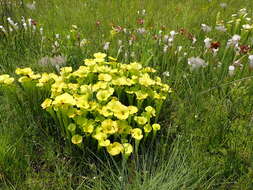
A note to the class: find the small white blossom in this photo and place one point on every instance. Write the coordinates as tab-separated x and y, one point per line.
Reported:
106	46
231	70
247	26
223	5
251	61
221	28
166	74
207	42
196	63
206	28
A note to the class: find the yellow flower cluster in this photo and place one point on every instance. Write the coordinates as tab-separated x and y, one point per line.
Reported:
116	104
6	79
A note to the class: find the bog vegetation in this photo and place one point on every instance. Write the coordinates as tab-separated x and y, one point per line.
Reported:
118	95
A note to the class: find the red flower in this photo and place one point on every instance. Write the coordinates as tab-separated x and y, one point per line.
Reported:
215	45
244	49
140	21
33	22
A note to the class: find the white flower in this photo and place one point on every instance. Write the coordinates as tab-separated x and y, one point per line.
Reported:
83	42
57	36
234	40
141	30
223	5
196	63
31	6
165	48
41	31
231	70
251	61
247	26
206	28
106	46
221	28
207	42
173	33
166	74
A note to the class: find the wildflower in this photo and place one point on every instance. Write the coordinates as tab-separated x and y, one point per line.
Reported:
128	149
247	27
234	40
215	45
141	120
196	63
109	126
251	61
103	95
221	28
206	28
156	127
64	99
99	57
47	103
223	5
147	128
150	110
115	148
207	42
31	6
104	142
24	71
132	109
104	77
244	49
231	70
6	79
137	134
145	80
141	30
71	127
77	139
106	46
166	74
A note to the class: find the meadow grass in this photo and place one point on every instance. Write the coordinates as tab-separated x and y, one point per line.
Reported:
206	137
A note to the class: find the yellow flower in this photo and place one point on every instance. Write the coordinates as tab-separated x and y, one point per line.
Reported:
104	143
115	148
134	66
103	95
23	79
89	62
24	71
77	139
109	126
66	70
147	128
128	148
145	80
156	127
141	120
34	76
82	101
132	109
46	104
64	99
140	95
122	113
150	110
99	136
6	79
99	57
137	133
99	85
88	127
105	111
121	81
72	127
104	77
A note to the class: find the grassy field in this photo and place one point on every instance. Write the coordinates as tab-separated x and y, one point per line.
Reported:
202	49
